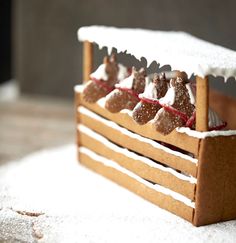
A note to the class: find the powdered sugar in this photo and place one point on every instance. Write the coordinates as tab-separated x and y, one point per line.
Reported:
169	98
123	72
150	91
126	83
82	206
100	73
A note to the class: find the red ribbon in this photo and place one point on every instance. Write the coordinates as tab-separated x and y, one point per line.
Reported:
191	120
102	84
187	120
150	101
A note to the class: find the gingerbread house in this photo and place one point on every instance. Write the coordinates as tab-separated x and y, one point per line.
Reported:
196	182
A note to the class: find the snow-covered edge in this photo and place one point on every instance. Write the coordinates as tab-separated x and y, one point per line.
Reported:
203	135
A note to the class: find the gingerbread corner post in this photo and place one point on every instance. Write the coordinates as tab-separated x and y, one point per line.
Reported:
87	60
216	184
202	104
87	69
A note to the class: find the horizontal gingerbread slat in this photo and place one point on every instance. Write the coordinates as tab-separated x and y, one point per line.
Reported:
180	140
162	200
137	143
141	166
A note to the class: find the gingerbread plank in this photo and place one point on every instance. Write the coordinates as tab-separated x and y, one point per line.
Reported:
137	143
138	164
158	195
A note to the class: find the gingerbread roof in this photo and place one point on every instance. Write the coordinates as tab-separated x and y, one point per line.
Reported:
180	50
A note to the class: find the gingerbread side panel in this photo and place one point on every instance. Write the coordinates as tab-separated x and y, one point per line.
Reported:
216	184
125	138
113	173
230	183
139	165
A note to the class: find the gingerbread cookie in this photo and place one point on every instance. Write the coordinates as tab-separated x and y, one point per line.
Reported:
104	79
125	96
148	106
178	108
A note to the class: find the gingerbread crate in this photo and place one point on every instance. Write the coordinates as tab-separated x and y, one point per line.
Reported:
196	182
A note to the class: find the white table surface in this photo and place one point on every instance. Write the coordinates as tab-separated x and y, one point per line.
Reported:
73	204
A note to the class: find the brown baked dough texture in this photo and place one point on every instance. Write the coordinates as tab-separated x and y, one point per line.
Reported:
144	111
93	91
137	166
166	121
158	198
120	99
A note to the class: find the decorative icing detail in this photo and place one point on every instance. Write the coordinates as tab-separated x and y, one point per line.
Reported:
169	98
191	94
126	83
100	73
156	187
101	102
155	144
133	155
122	73
203	135
150	91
